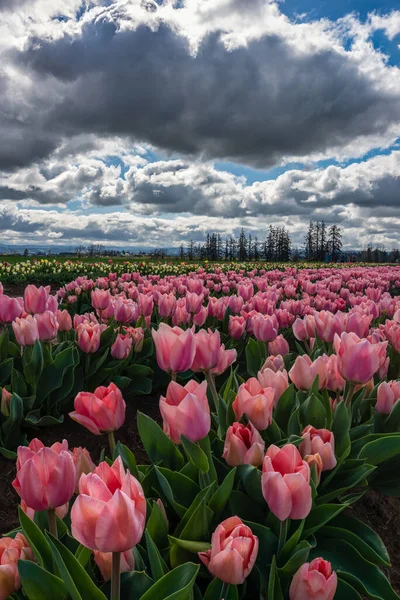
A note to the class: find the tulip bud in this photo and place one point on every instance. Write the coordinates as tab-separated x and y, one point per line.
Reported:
5	402
243	446
314	581
185	411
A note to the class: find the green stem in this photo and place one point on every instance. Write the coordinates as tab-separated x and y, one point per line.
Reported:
115	576
52	522
283	535
350	394
111	442
224	591
173	376
211	383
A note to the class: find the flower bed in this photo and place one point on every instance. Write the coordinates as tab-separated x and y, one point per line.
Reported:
278	401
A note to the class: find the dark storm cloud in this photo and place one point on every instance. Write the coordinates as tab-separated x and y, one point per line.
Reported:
253	104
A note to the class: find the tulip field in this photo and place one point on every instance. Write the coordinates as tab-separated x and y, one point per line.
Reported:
230	420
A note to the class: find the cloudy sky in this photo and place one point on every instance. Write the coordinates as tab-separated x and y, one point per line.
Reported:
144	122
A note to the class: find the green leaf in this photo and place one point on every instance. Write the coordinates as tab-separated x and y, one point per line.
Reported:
195	455
157	526
128	458
76	580
190	546
159	448
38	583
37	541
294	427
83	555
53	375
312	412
346	591
251	479
33	367
274	587
198	524
175	585
340	427
254	358
135	584
298	558
285	407
220	497
214	590
34	419
381	450
268	543
203	496
171	483
157	564
319	516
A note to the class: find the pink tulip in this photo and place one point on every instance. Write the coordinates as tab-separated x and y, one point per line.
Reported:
279	346
26	331
358	360
200	317
64	320
12	550
109	514
166	305
314	581
122	346
100	412
125	311
100	299
265	328
234	550
304	372
104	561
137	335
277	380
236	327
175	348
45	476
208	350
83	464
335	382
304	329
358	324
35	299
319	441
47	326
185	411
243	446
255	402
5	402
388	395
10	309
89	336
226	358
286	483
245	291
146	304
315	459
275	363
194	302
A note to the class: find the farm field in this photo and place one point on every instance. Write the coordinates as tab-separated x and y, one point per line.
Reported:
204	430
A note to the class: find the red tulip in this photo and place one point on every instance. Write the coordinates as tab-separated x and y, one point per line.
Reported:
277	380
100	299
185	411
83	464
5	402
100	412
110	512
265	327
243	446
279	346
314	581
226	358
236	327
234	550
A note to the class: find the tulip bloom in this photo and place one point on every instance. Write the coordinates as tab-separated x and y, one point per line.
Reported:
335	382
45	476
64	320
175	348
319	441
109	514
89	337
388	395
277	380
236	327
243	446
100	412
83	464
315	459
104	561
286	483
47	326
255	402
358	359
10	309
233	552
122	346
100	299
26	331
35	299
12	550
185	411
279	346
208	350
125	311
314	581
304	372
137	335
265	328
194	302
166	305
226	358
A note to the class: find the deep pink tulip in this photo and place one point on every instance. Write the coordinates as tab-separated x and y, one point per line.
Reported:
314	581
233	552
255	402
104	561
388	395
89	336
243	446
226	358
83	464
100	299
358	359
10	309
236	327
175	348
208	350
35	299
279	346
26	331
47	326
286	483
64	320
100	412
110	512
45	476
122	346
319	441
12	550
304	372
185	411
265	327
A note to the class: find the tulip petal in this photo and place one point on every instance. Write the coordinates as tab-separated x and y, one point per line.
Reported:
84	516
227	565
86	422
120	525
277	495
300	491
